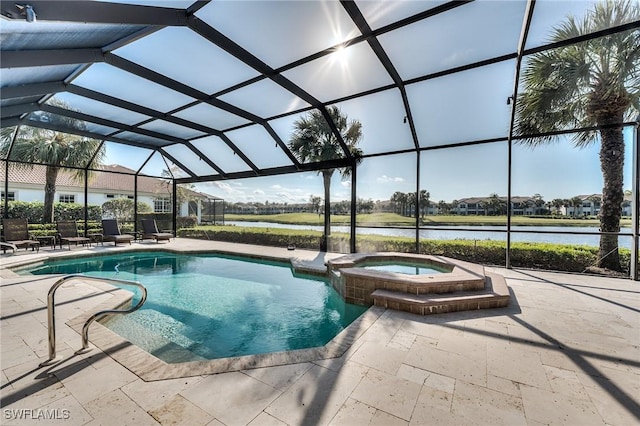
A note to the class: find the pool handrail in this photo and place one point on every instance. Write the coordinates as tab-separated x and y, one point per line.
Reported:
85	328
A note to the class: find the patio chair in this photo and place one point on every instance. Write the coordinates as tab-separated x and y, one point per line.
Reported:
150	231
16	232
111	232
68	233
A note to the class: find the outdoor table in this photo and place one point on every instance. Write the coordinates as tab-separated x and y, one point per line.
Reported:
49	240
95	238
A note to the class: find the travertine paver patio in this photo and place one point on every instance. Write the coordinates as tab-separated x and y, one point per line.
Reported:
564	352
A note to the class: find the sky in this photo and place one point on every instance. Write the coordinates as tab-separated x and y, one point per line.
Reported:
557	171
470	105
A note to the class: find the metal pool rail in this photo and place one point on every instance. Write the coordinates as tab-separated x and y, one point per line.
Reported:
85	328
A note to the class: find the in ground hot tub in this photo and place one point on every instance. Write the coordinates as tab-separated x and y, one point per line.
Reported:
416	283
408	268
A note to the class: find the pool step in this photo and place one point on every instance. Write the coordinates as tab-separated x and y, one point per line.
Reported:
495	294
167	344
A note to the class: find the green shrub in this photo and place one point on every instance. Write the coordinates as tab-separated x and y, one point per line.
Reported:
33	211
185	222
558	257
122	209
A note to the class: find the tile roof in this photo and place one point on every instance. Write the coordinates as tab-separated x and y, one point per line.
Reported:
113	177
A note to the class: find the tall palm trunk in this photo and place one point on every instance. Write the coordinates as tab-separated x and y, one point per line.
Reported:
611	163
51	175
326	180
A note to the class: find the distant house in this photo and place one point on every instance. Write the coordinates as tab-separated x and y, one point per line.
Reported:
591	204
471	206
114	181
520	206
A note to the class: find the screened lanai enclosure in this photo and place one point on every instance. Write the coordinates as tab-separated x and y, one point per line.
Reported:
416	121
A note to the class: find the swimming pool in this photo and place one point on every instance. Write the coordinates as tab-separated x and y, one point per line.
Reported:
211	306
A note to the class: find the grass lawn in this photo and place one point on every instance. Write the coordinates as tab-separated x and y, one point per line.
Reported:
392	219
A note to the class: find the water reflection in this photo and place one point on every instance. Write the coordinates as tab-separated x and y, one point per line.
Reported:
543	234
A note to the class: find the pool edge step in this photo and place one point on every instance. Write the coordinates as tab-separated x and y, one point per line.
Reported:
494	295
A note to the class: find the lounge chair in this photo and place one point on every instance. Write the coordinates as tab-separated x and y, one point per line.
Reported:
68	233
150	231
111	232
16	232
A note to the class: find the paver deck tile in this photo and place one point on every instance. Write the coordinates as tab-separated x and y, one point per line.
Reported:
318	395
179	411
352	413
553	408
116	408
233	398
483	406
391	394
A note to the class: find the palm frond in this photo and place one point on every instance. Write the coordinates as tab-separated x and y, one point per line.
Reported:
582	84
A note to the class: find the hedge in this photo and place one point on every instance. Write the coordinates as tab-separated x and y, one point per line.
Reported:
558	257
34	211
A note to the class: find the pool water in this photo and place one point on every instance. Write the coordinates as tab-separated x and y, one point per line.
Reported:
404	268
214	306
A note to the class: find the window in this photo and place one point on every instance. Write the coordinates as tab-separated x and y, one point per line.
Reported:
162	205
11	196
66	198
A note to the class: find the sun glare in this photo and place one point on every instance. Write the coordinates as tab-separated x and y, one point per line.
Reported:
340	56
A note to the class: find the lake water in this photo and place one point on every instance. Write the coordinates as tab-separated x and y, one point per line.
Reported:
542	234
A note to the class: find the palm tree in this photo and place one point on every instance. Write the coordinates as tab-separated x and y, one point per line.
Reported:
411	202
396	199
424	201
576	203
54	149
454	206
315	204
557	203
313	140
443	207
593	83
538	202
595	202
495	204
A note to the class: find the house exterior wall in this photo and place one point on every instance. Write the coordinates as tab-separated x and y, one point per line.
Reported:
35	193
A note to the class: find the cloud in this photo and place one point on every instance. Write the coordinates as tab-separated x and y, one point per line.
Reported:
287	197
277	187
385	178
346	183
258	192
228	189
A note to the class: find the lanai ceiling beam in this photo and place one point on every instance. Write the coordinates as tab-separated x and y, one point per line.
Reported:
175	85
124	127
97	12
176	162
234	49
40	58
85	133
274	171
365	29
36	89
188	91
18	109
101	97
117	102
109	123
